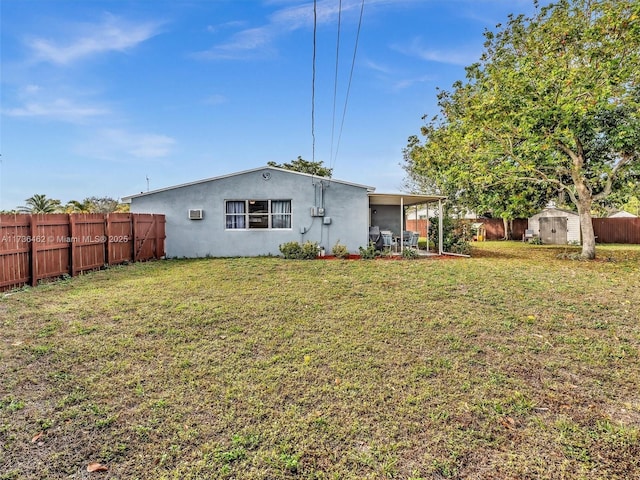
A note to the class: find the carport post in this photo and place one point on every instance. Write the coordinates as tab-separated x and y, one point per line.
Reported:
401	224
440	224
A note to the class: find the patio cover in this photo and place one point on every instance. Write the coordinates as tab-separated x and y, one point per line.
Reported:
407	200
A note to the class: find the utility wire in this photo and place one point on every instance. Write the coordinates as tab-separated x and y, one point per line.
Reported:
346	100
335	82
313	84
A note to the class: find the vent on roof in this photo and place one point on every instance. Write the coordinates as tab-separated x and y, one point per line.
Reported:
195	214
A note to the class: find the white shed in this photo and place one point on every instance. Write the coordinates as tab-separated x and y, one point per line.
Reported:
556	226
622	214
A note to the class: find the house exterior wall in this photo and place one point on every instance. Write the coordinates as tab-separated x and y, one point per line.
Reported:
345	204
387	217
573	223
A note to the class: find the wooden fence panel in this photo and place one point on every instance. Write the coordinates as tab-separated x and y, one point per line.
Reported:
419	226
494	227
148	235
37	247
119	238
15	248
88	239
617	230
50	252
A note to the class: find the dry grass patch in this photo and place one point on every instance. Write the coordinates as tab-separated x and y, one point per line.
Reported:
511	364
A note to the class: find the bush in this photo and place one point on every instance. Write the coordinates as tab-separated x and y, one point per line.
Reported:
423	243
409	253
370	252
462	247
339	250
455	235
291	250
309	250
295	251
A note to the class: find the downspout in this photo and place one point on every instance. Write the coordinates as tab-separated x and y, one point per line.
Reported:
440	226
427	227
401	225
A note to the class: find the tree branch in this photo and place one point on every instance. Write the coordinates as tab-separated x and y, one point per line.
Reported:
625	160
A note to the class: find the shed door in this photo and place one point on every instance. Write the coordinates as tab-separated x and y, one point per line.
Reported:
553	230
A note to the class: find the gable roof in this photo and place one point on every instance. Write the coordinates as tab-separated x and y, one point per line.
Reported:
622	214
127	199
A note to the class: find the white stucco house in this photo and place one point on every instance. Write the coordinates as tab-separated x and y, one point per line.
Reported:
253	212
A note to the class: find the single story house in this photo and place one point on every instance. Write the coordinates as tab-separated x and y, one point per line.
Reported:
556	226
253	212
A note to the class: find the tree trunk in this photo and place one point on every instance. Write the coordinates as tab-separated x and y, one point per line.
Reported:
508	229
586	228
583	201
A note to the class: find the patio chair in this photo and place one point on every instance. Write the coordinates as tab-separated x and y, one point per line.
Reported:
411	241
388	242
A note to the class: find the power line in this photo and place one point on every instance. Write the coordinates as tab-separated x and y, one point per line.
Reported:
335	81
313	84
346	100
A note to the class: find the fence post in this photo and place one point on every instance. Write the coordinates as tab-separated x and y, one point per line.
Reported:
33	228
107	233
156	236
72	249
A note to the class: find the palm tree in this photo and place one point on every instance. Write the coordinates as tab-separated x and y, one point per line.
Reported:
40	204
75	206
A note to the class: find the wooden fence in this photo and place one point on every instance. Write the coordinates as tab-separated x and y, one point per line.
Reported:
617	230
36	247
494	228
607	230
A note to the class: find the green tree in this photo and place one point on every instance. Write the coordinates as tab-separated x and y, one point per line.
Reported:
39	203
75	206
95	205
102	204
305	166
554	102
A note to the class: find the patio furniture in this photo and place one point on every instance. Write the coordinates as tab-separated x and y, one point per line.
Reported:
528	235
375	237
388	242
411	241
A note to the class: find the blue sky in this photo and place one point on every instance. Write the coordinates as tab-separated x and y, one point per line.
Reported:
97	96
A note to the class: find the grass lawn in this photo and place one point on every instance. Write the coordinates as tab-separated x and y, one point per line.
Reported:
512	364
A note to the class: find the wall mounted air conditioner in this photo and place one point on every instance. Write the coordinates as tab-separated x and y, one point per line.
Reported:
196	214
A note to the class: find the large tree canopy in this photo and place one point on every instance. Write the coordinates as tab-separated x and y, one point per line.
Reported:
553	102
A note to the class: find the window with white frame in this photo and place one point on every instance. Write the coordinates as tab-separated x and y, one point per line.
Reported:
266	214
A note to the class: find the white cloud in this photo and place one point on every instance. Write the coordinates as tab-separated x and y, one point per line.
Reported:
377	67
240	45
224	26
409	82
59	109
112	34
30	90
119	145
258	40
460	56
216	99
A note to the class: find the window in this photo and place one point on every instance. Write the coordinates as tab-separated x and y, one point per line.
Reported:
266	214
